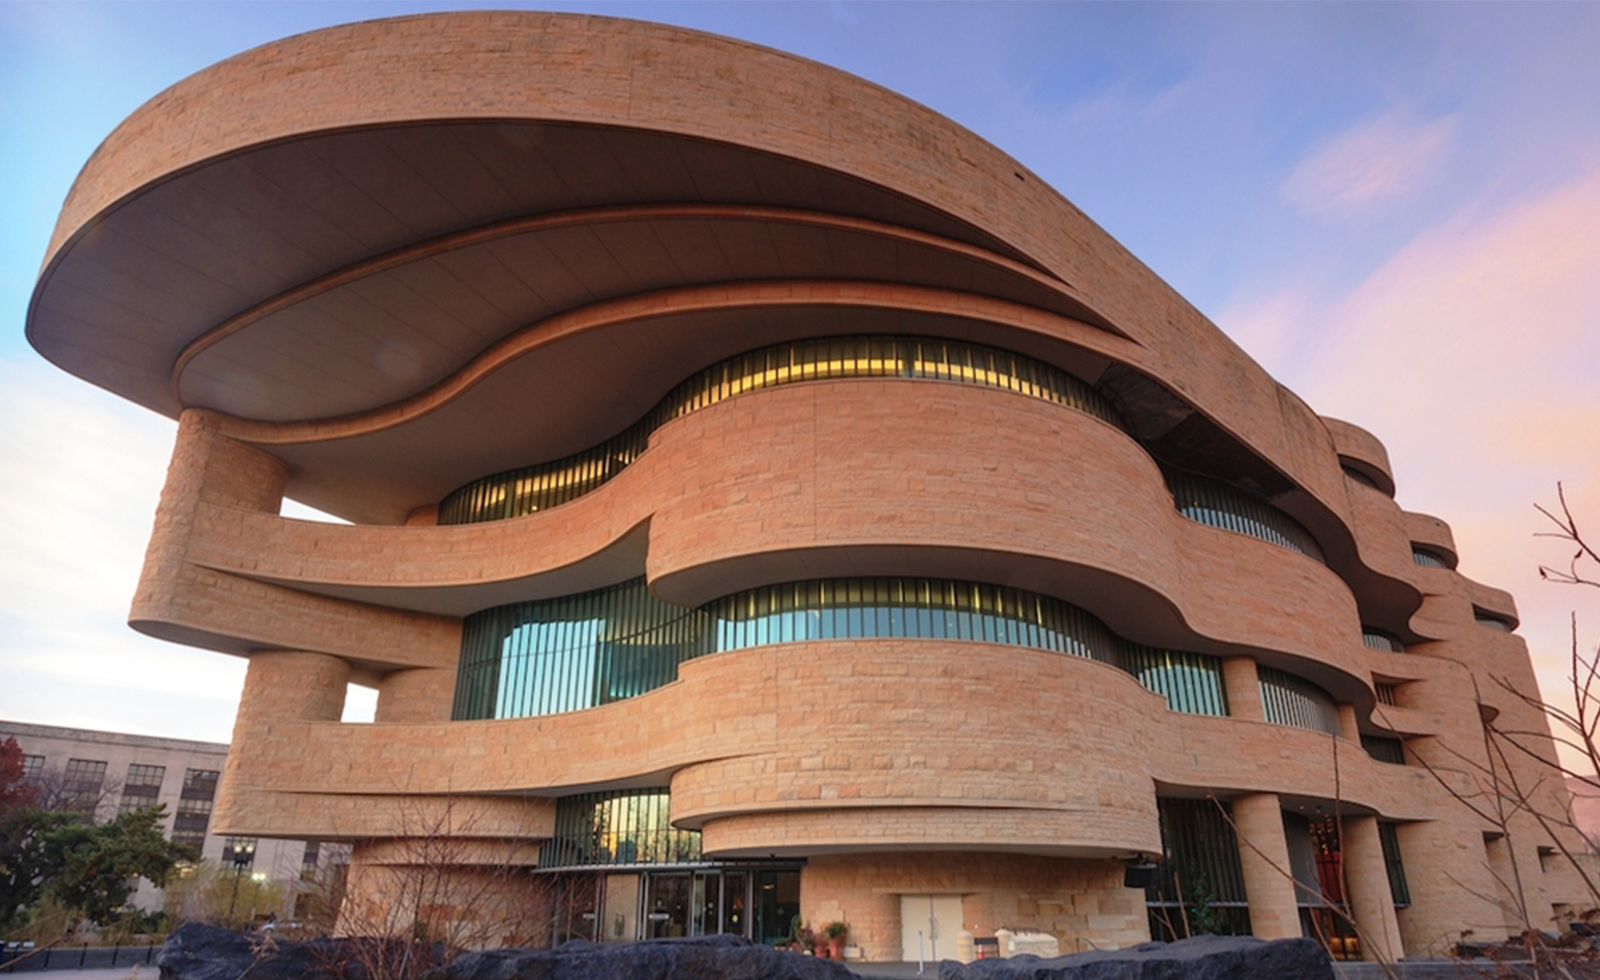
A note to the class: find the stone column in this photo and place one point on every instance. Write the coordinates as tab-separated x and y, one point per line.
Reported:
420	694
282	689
291	685
1243	687
1371	902
1264	859
1349	727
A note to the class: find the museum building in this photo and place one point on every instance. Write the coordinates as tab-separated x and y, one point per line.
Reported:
766	499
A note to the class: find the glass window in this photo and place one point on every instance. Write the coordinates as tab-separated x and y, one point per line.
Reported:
581	651
627	827
533	488
1390	750
1219	505
139	775
1429	559
1199	887
1295	701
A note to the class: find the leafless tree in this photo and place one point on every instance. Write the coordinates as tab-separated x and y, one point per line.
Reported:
435	890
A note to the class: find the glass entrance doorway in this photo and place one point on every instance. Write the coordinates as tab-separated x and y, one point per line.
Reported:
758	903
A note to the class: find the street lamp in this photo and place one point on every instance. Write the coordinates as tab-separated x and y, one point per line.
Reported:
242	854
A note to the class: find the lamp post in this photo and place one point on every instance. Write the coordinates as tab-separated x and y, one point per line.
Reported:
242	855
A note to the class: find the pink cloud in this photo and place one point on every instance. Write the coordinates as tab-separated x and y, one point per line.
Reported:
1376	160
1474	354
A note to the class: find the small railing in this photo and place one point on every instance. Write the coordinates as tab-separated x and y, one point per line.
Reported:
27	958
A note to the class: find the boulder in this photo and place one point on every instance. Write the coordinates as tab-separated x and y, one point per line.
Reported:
699	958
1198	958
199	952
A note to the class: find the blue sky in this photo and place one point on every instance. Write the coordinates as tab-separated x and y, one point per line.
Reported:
1395	208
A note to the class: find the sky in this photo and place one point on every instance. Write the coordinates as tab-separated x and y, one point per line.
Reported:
1394	208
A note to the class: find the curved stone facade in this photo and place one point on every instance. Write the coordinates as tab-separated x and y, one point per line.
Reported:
368	266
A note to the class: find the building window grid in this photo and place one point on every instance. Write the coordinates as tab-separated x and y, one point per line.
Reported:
577	652
515	493
192	807
32	767
200	784
143	775
83	776
1388	694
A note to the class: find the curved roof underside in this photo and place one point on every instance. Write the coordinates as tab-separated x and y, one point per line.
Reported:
392	251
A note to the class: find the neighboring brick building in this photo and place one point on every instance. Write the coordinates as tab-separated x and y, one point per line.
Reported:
109	773
767	495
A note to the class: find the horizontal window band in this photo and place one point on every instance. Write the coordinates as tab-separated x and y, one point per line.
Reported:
515	493
575	652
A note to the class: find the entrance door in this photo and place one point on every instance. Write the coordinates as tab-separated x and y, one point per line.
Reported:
929	924
619	919
668	905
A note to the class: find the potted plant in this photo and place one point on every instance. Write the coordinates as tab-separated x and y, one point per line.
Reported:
836	932
810	944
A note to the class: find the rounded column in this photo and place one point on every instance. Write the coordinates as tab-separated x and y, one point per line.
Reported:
1371	901
1264	860
291	685
1349	726
1243	686
421	694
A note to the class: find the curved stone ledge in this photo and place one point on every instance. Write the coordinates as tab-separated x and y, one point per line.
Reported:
1361	450
504	69
1056	833
1431	532
997	493
969	736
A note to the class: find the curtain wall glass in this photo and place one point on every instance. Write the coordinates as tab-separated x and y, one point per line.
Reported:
1217	504
1295	701
1200	884
1390	750
1379	640
532	488
1428	559
627	827
575	652
1398	888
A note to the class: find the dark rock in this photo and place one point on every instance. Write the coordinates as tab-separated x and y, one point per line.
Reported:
199	952
1199	958
700	958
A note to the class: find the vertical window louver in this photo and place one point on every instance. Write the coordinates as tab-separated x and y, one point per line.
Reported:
626	827
1296	702
1219	505
1200	882
1399	890
1428	559
583	651
1379	640
533	488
